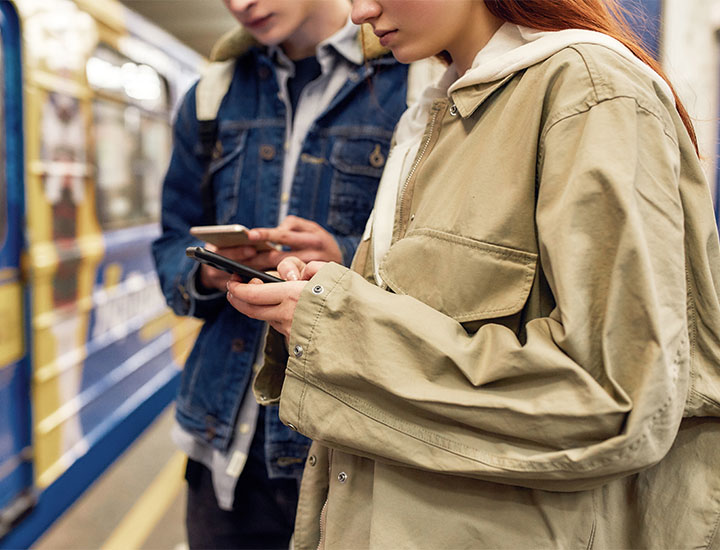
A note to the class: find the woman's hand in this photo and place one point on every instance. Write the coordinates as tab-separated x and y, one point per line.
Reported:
274	303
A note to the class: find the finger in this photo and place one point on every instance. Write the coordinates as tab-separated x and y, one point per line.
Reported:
290	268
300	240
238	253
260	312
265	294
296	223
311	269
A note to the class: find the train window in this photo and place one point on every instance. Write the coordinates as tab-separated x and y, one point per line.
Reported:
132	138
63	145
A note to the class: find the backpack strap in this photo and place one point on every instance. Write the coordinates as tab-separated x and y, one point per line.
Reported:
211	89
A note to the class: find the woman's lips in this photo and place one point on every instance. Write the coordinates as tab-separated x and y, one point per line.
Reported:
258	22
385	36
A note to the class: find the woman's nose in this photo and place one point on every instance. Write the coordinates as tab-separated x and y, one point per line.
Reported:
237	6
364	11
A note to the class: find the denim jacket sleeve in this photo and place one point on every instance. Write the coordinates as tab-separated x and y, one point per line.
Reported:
181	209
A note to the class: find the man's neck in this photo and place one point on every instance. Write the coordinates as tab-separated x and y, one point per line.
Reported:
322	23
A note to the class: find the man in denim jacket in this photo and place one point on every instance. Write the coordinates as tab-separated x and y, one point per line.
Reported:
302	136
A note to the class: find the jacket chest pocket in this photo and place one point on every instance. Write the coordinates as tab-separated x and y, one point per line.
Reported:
226	171
357	166
466	279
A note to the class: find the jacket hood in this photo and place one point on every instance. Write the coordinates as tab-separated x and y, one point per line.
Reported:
511	49
514	47
237	41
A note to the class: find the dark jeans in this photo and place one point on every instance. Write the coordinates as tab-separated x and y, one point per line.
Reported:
263	515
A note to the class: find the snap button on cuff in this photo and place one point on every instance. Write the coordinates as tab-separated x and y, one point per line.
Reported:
312	460
298	351
342	477
317	289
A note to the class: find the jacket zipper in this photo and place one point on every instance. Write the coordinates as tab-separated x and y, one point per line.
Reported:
323	511
416	164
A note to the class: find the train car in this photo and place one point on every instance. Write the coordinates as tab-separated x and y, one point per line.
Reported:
89	352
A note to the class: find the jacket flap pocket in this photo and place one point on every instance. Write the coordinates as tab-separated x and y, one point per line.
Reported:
463	278
361	156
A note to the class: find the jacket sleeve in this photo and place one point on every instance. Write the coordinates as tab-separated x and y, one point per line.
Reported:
182	209
594	391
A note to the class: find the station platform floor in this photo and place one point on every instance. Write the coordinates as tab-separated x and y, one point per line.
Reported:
138	503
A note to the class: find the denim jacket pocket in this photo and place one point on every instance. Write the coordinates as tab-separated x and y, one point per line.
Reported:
357	166
464	278
226	171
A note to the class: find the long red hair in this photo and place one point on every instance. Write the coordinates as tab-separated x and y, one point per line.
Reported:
605	16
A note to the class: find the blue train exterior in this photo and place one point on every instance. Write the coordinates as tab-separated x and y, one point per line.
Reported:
89	352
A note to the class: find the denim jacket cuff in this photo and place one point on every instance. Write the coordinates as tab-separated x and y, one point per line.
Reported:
201	303
271	375
347	245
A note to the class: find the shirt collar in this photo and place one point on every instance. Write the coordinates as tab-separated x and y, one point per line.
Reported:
343	44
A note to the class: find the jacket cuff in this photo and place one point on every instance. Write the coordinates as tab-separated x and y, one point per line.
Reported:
200	304
303	341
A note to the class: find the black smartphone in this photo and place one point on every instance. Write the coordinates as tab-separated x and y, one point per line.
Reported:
231	266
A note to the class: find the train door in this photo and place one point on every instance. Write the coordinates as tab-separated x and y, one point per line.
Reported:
15	456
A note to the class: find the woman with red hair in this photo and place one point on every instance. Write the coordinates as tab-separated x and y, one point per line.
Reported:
526	351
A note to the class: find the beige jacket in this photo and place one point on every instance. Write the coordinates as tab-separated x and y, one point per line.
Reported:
543	370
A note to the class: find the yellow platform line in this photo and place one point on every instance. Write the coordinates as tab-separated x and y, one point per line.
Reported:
139	522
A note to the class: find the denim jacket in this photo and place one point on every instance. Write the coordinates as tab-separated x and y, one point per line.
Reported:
335	183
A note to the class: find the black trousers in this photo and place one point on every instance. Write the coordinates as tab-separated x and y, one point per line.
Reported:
263	515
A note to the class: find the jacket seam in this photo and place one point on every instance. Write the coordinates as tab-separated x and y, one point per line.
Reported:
310	338
692	333
571	112
592	75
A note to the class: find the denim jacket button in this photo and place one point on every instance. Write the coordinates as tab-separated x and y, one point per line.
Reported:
264	73
238	344
298	351
377	159
267	152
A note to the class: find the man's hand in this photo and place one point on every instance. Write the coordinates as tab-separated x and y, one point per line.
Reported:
306	240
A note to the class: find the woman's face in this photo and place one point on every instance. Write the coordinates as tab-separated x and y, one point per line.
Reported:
416	29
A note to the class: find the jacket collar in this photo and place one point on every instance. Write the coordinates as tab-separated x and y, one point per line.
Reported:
238	41
469	98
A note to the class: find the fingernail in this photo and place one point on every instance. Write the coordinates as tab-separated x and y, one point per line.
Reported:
293	276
